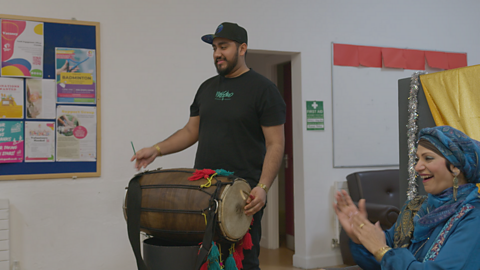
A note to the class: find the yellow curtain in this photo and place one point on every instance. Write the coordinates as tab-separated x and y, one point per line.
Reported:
454	98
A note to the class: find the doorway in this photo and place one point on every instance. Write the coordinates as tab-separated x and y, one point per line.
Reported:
278	218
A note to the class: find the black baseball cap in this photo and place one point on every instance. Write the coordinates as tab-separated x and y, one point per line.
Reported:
228	30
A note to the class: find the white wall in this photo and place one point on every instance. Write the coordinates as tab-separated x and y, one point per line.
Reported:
152	63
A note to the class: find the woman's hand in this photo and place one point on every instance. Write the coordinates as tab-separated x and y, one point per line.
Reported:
370	235
346	209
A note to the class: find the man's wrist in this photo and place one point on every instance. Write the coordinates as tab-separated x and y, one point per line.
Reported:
263	186
159	151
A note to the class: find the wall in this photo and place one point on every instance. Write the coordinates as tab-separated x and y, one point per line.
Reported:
152	63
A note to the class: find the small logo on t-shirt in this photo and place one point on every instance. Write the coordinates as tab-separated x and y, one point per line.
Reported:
225	95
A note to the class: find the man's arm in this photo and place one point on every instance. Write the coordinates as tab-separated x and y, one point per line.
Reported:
275	144
179	141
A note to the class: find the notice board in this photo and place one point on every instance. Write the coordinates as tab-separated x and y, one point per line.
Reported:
76	46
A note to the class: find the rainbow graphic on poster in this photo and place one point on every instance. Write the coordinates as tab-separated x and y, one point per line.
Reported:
22	49
11	141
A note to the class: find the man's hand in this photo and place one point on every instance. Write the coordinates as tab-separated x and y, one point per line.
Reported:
144	157
256	201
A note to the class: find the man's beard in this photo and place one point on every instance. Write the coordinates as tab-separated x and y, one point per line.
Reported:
230	66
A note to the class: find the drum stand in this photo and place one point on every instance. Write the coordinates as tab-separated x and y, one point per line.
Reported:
161	256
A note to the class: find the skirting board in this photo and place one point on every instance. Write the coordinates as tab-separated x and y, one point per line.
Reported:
315	262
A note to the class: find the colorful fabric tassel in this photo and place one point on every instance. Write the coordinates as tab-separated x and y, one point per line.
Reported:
239	253
230	263
239	247
238	257
214	254
247	241
204	266
214	266
223	172
199	174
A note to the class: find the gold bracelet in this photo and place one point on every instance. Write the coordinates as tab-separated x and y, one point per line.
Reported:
159	153
263	186
379	254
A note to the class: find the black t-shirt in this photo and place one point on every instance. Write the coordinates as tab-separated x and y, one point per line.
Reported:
232	112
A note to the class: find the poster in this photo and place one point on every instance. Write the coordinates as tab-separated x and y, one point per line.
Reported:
39	141
76	75
22	49
11	98
40	100
11	141
315	117
76	133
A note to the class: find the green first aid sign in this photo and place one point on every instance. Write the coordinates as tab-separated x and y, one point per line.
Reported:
315	118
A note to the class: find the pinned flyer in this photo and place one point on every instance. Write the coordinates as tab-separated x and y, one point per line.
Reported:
11	141
76	133
40	99
22	49
11	98
39	141
76	75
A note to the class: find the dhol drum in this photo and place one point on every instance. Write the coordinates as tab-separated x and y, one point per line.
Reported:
174	208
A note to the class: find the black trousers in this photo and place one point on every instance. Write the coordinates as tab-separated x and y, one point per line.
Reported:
251	262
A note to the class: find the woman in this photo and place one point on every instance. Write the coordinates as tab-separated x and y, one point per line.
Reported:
438	231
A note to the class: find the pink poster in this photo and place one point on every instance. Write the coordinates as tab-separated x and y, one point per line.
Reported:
22	49
11	141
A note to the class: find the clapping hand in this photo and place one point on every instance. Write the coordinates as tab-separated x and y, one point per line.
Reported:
346	209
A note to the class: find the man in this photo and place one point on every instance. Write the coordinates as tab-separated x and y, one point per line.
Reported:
238	119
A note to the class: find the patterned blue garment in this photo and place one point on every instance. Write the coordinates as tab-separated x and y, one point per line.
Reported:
452	244
446	232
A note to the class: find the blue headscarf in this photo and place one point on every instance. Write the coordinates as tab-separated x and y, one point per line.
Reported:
462	151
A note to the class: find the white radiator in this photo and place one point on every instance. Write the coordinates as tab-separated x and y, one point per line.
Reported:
4	235
338	186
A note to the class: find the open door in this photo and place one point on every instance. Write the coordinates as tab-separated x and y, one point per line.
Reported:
288	159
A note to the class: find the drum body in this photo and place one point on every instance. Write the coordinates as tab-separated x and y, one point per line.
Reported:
174	208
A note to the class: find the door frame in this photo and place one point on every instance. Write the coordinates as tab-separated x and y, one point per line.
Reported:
265	63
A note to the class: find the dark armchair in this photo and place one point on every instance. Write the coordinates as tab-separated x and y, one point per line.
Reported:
380	189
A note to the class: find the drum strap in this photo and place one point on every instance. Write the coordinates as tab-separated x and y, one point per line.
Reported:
209	232
134	199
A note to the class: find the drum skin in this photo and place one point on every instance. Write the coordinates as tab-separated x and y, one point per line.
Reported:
174	208
232	220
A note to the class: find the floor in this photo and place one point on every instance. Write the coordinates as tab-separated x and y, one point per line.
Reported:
279	259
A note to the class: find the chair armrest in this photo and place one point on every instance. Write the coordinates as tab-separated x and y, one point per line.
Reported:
386	214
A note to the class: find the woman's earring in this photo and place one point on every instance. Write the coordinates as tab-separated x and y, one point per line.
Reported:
455	186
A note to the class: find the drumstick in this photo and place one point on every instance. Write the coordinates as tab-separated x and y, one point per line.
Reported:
135	153
243	192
